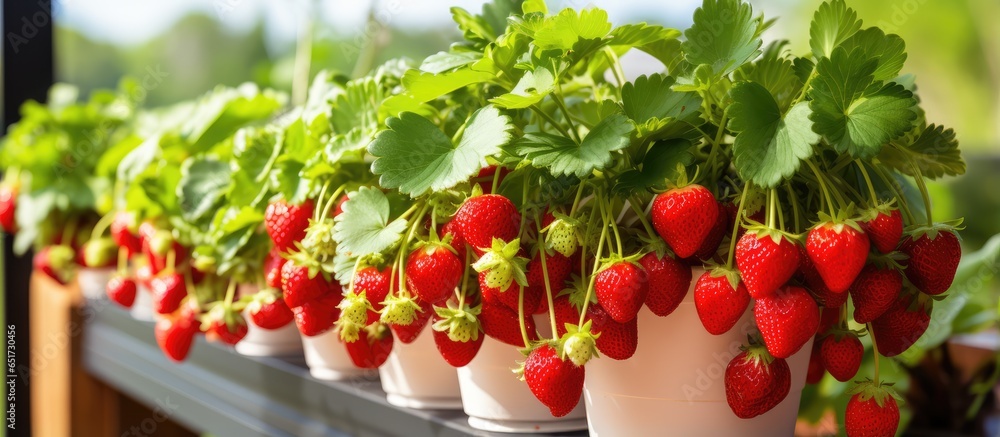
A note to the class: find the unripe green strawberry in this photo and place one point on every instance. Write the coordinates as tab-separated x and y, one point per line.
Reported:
354	308
561	235
319	240
161	243
100	252
399	310
579	344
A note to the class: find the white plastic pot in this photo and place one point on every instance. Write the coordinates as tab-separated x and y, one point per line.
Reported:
415	376
142	307
93	282
259	342
327	357
497	401
675	382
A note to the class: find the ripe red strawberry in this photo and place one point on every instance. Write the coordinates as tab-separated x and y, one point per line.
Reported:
871	412
874	292
372	348
270	312
841	353
318	316
121	232
669	281
408	333
815	284
121	290
719	305
884	229
765	264
756	382
56	262
933	260
838	251
168	291
556	382
433	272
157	244
816	370
228	334
457	353
457	240
787	320
509	297
684	217
286	223
375	284
621	289
8	206
900	326
482	218
175	335
502	323
299	287
617	341
714	238
272	268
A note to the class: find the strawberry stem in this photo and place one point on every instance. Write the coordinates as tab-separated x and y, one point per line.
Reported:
822	186
171	259
597	264
795	205
874	351
496	180
520	314
122	260
545	277
465	279
772	206
330	202
868	181
738	224
642	217
69	233
102	225
918	177
576	200
614	227
781	216
317	212
569	119
548	118
230	291
404	246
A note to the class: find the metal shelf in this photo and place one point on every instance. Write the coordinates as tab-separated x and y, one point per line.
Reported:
226	394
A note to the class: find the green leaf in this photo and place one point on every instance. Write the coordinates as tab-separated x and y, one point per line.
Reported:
474	28
364	228
934	151
425	87
441	62
856	114
563	31
562	156
658	166
202	186
668	52
725	35
286	177
496	12
768	148
776	74
651	103
415	156
531	89
832	24
642	34
356	107
888	50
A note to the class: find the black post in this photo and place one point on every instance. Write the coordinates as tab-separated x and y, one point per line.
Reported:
27	74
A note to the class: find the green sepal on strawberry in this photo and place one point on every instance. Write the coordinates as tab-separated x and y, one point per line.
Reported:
621	287
838	249
456	353
756	382
872	411
767	259
720	299
318	238
684	217
460	323
408	333
934	253
787	320
555	380
841	352
502	265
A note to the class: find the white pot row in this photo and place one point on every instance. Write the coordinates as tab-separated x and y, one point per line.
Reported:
673	382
